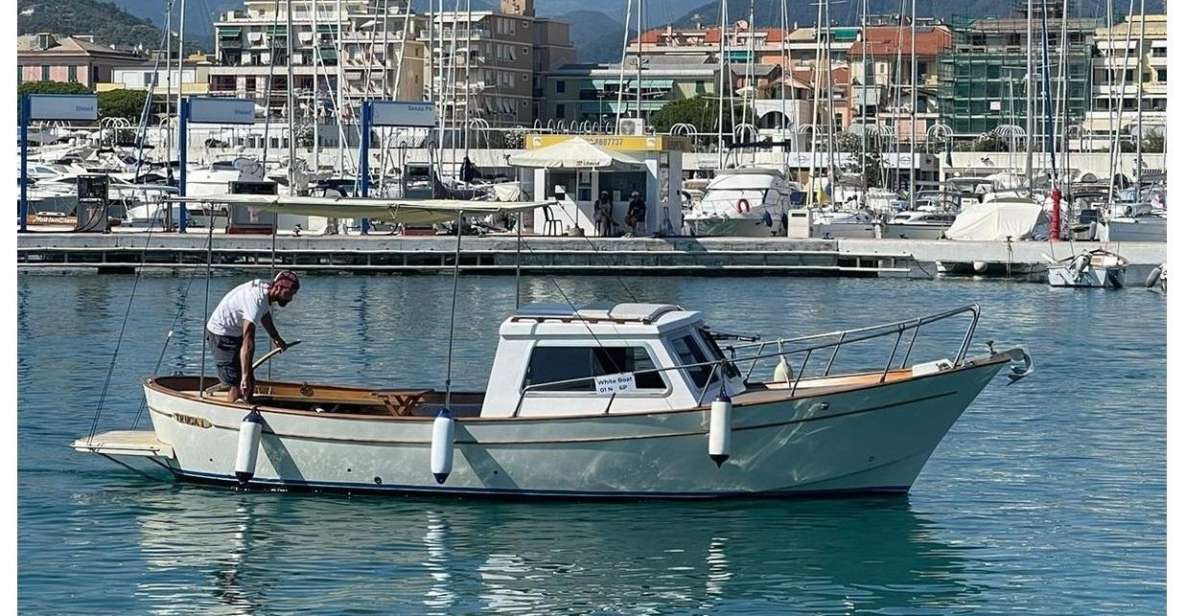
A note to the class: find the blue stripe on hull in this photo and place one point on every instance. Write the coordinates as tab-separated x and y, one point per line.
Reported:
444	491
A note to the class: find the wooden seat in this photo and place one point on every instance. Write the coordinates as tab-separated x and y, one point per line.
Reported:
401	402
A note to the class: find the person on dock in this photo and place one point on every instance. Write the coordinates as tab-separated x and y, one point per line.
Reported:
636	214
603	215
230	332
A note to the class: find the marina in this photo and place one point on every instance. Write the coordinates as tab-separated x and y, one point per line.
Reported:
126	252
981	530
340	305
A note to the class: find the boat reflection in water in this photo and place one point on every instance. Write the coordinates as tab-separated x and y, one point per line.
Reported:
234	554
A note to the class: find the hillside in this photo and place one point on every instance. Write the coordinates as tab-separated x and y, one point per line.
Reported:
597	37
106	21
768	14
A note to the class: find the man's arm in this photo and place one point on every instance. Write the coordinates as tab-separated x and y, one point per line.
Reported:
247	357
271	331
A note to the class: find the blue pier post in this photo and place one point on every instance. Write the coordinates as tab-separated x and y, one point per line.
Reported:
24	113
364	159
182	155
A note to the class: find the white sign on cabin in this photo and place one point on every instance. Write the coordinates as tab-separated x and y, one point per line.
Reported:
402	113
210	110
63	107
615	383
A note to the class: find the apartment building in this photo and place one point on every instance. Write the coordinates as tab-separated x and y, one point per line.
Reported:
744	44
192	80
882	88
493	62
1127	54
68	59
984	80
590	92
363	47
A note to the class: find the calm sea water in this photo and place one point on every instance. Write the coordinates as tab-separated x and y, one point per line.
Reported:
1047	497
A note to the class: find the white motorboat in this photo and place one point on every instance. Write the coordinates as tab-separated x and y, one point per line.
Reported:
918	225
749	202
833	224
627	401
1098	268
1147	227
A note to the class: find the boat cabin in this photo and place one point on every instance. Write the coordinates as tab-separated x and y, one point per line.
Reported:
553	360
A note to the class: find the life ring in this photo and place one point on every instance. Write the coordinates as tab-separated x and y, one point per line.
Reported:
742	206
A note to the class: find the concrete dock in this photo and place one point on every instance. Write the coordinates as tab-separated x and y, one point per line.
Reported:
125	252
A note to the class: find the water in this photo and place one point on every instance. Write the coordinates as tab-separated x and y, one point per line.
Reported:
1047	497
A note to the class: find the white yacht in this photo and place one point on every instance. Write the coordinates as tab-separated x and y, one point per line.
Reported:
607	401
749	202
918	225
833	224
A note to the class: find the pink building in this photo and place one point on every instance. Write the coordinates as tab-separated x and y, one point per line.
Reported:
71	59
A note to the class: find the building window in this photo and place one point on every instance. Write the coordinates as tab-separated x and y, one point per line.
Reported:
560	111
560	87
72	74
1162	74
44	72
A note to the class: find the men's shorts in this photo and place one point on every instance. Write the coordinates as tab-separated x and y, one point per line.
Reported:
225	350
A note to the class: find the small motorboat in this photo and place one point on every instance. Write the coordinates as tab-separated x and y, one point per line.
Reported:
1098	268
605	401
918	225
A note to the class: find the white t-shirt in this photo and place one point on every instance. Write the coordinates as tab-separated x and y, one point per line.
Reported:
246	302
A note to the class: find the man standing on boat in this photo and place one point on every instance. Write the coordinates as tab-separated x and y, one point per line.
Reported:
230	332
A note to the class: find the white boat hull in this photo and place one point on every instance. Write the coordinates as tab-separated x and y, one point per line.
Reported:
1090	278
734	227
1143	229
871	439
914	231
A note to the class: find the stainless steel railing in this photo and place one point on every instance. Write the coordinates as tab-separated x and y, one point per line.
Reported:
805	345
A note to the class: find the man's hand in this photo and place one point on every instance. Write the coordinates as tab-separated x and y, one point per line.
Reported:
247	386
279	343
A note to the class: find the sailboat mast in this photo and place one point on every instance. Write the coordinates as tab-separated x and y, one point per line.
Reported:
180	64
863	97
169	84
291	101
1140	105
1029	79
341	98
913	103
315	106
720	104
784	56
638	88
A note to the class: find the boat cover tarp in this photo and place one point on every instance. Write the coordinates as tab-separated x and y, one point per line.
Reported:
999	221
575	153
407	211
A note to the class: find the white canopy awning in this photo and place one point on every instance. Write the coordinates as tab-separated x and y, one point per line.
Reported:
575	153
407	211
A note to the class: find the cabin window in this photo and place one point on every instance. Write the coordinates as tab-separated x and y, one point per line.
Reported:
689	352
552	363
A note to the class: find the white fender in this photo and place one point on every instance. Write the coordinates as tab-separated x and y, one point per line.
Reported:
720	429
442	445
1080	263
1153	277
783	373
979	266
250	431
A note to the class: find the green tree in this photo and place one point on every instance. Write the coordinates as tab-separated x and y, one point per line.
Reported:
126	104
700	112
50	87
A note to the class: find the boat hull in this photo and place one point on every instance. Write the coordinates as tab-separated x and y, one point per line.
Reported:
1090	278
909	231
733	227
872	439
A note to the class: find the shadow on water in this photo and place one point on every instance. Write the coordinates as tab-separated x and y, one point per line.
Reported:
243	551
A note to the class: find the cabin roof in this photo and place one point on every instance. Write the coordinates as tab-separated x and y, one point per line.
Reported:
598	318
